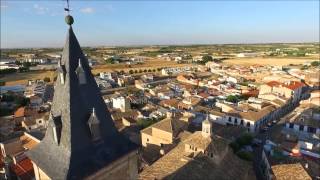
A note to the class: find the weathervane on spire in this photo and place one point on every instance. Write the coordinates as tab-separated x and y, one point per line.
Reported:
69	19
67	9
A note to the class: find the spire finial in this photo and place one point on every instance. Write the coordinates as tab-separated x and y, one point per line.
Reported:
69	19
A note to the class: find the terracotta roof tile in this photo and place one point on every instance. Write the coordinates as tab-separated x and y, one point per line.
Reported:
24	169
20	112
290	171
294	85
273	83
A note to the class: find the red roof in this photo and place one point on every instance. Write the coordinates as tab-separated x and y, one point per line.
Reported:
24	169
252	93
204	95
19	112
273	83
294	85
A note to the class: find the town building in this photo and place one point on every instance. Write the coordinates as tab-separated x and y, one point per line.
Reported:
164	132
19	166
35	88
200	155
121	103
290	89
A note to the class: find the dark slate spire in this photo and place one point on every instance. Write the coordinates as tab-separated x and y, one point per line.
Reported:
68	150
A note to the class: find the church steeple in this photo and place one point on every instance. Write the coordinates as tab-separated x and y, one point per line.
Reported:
206	127
69	149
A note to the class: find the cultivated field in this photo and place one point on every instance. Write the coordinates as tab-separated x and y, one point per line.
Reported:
268	61
149	64
22	78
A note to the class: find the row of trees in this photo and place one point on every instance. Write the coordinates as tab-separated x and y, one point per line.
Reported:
12	70
208	58
145	70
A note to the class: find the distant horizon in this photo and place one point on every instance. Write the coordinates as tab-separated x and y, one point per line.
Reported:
146	45
158	23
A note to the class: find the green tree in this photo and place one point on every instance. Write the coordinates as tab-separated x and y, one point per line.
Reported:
21	101
26	64
232	98
18	63
315	63
2	83
244	140
8	71
248	156
23	69
110	61
207	58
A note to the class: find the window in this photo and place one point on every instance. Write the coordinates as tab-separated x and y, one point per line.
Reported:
229	119
301	127
147	139
241	122
291	125
211	155
236	120
311	130
195	149
248	124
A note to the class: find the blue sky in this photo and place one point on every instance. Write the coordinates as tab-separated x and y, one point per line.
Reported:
41	23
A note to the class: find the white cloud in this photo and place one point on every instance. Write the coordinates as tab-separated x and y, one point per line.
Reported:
87	10
40	9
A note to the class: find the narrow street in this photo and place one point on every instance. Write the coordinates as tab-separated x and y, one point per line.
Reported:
274	129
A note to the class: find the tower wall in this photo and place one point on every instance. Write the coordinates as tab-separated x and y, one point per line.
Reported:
123	168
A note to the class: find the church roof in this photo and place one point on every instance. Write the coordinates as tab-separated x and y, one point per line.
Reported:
177	164
75	155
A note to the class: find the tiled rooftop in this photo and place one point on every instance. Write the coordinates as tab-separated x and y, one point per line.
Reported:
290	171
177	165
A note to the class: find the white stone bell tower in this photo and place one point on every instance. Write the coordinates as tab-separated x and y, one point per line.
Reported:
206	127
